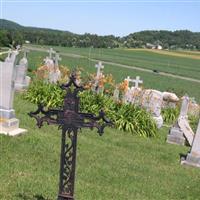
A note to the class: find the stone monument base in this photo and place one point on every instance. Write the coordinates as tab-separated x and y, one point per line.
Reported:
11	127
7	114
175	136
191	160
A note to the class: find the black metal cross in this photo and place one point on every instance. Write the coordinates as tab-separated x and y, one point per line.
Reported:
70	120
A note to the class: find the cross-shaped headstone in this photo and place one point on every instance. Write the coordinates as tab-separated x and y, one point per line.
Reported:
70	120
129	80
137	81
99	66
51	51
56	59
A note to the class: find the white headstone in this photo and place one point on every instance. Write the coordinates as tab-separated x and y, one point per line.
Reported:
193	158
8	123
181	129
128	96
151	100
21	80
137	81
51	52
99	74
184	106
57	58
54	72
54	76
128	79
99	66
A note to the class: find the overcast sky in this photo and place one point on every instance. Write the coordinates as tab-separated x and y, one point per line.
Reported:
104	17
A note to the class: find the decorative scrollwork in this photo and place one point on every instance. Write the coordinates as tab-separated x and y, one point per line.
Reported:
70	120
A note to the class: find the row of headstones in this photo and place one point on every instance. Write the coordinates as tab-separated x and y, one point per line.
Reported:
152	100
181	132
51	62
13	77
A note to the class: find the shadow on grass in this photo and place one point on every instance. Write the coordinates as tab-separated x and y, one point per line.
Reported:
34	197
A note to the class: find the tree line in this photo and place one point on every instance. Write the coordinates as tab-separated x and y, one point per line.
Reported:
12	33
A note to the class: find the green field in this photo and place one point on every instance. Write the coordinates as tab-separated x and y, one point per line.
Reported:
115	166
145	59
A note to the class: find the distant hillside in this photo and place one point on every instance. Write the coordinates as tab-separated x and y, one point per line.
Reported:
13	33
9	25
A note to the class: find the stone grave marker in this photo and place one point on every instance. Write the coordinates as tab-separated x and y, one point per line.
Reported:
54	73
99	75
151	100
181	129
193	157
137	81
127	97
51	52
21	80
8	123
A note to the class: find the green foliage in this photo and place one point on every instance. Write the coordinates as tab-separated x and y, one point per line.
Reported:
143	59
112	167
49	95
170	114
168	39
193	121
126	117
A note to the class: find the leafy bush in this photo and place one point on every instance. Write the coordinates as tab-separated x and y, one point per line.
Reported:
170	115
125	117
49	95
193	121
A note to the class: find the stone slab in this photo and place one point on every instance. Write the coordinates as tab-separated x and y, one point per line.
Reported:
175	136
7	114
9	125
18	131
185	128
191	160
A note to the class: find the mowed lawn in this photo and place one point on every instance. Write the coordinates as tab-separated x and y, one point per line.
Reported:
115	166
150	80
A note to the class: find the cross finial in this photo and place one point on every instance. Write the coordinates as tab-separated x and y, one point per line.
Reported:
51	51
137	81
57	58
99	66
129	80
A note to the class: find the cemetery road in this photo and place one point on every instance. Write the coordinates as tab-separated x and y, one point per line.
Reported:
117	64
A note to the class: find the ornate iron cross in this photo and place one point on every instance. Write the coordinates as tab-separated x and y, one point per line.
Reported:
70	120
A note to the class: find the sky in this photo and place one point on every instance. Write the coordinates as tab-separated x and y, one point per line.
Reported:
103	17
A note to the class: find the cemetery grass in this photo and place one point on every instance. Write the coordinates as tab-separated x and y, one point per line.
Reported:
115	166
151	80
